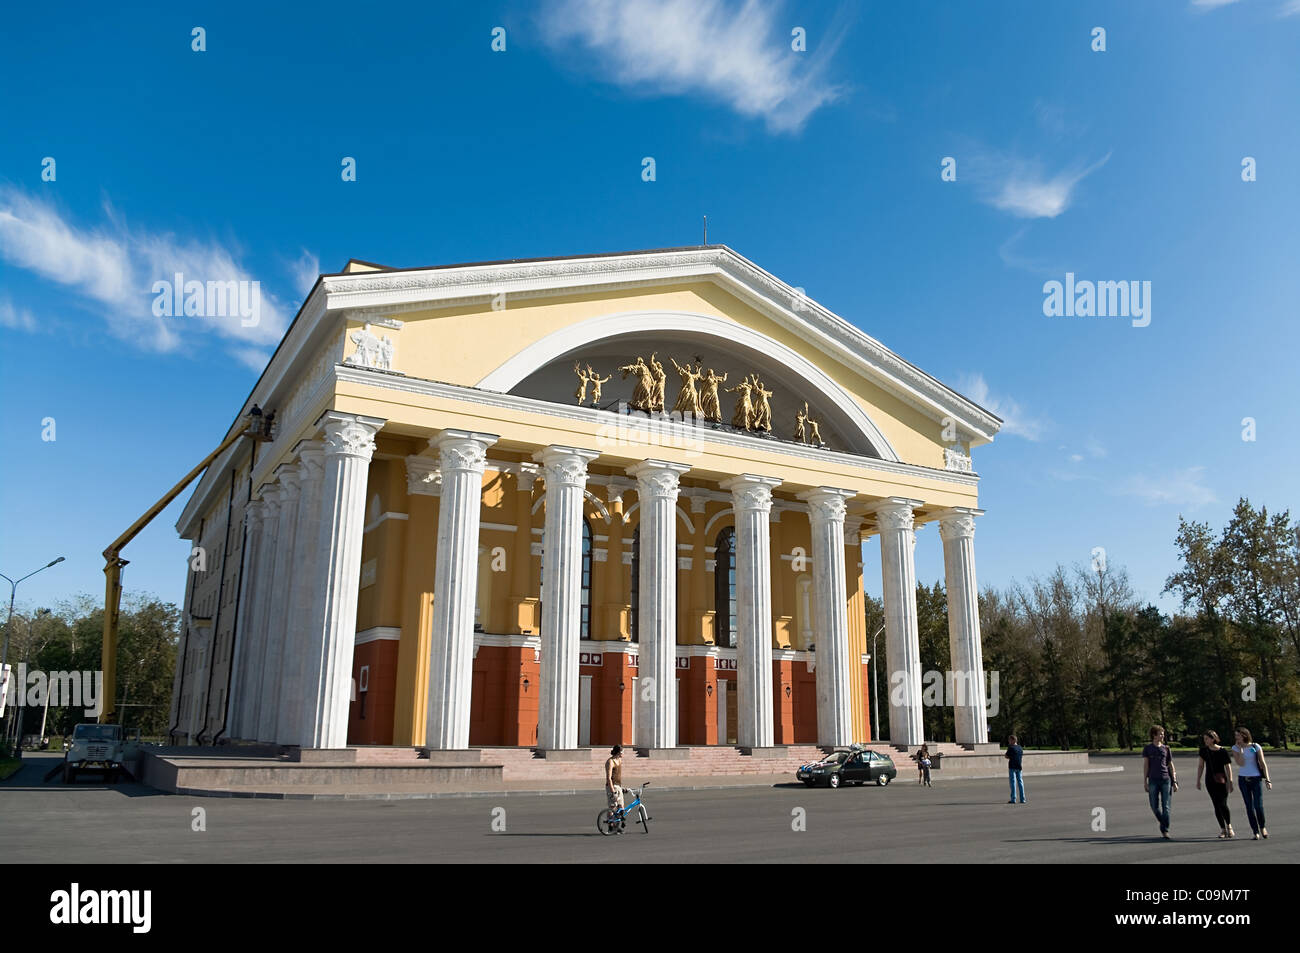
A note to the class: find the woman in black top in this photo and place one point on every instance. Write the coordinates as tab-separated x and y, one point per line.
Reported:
1216	762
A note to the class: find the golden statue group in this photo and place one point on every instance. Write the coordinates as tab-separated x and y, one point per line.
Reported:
698	396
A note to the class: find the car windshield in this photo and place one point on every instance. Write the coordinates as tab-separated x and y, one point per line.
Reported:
97	732
836	758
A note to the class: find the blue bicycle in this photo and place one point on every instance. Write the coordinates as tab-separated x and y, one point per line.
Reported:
615	822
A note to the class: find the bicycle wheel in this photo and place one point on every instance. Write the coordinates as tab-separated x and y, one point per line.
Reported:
645	821
603	822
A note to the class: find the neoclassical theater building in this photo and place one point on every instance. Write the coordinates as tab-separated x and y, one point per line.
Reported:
576	501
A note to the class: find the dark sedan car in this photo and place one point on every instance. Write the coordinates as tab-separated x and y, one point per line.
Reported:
849	767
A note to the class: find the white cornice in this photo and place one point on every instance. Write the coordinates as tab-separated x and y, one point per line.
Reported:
386	292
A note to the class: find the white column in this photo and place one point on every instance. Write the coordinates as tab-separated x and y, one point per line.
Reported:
244	634
327	666
306	593
462	457
251	704
565	473
902	639
656	722
276	624
957	530
751	502
826	509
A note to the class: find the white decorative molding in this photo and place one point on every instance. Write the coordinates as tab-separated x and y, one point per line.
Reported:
383	517
499	527
371	350
379	633
954	459
394	290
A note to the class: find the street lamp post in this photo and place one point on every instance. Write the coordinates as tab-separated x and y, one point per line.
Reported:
875	699
4	658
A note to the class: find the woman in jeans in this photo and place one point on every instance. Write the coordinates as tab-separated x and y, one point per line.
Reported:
1216	764
923	766
1252	775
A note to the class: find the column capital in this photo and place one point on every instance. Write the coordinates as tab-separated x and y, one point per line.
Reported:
896	513
423	476
958	522
290	477
565	466
254	512
751	492
657	478
463	449
311	459
827	504
349	434
526	476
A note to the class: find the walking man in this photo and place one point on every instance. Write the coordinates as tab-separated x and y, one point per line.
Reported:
1158	778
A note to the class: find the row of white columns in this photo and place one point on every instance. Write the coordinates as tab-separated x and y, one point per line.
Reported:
297	613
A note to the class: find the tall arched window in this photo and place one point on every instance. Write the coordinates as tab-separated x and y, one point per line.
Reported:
585	626
636	577
586	580
724	588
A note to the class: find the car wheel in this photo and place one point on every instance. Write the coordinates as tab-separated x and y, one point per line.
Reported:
882	780
69	774
834	780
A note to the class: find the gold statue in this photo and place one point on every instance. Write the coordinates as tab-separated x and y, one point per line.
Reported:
643	393
583	379
596	383
800	433
688	400
710	406
660	378
762	409
815	438
743	418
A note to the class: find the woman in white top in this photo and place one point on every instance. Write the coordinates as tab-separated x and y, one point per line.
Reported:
1252	775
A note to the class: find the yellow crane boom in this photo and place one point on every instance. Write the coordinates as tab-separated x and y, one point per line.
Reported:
259	428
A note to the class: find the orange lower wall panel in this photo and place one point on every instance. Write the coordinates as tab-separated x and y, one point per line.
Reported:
503	703
370	716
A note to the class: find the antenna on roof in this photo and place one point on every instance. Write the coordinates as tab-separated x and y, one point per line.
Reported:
706	229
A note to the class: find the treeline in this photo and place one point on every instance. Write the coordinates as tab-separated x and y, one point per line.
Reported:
69	638
1080	661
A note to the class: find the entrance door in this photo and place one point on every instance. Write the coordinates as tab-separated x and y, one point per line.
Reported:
636	703
681	710
722	712
584	712
733	719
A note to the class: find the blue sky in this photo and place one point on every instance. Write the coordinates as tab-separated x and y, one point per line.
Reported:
822	166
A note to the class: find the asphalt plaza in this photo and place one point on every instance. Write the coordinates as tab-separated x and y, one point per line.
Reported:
962	821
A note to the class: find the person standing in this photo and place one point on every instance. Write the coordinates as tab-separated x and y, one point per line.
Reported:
1251	776
1216	764
614	790
1015	768
1159	778
923	766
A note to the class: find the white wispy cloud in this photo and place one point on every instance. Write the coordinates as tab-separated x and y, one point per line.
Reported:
1289	9
736	53
306	269
1180	487
1023	187
1016	420
1211	4
113	267
16	318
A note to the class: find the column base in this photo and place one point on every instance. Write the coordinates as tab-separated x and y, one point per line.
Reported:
664	754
